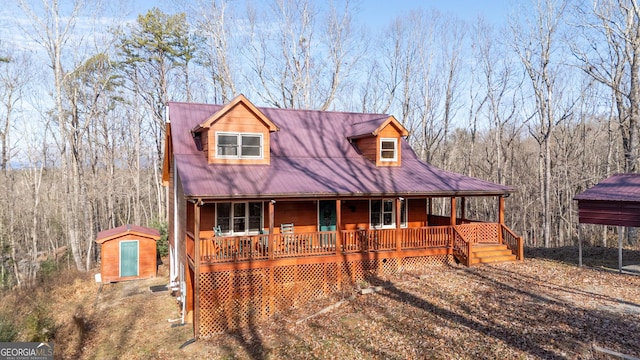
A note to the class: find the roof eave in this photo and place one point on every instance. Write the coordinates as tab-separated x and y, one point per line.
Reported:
461	193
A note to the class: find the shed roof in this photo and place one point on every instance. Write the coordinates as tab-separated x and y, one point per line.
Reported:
618	187
311	156
127	229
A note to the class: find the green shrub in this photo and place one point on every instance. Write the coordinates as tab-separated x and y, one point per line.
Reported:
48	267
8	331
162	245
39	326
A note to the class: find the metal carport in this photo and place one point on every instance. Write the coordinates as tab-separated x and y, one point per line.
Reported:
614	201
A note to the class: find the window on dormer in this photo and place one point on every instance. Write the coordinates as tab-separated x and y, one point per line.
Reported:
239	146
388	149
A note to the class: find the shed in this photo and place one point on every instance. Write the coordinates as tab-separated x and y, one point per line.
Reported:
128	252
615	201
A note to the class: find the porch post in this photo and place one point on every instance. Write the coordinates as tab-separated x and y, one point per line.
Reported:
338	226
500	217
579	244
463	207
196	268
398	219
453	211
501	210
620	248
272	242
429	210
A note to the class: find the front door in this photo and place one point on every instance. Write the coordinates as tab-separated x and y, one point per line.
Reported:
128	258
327	215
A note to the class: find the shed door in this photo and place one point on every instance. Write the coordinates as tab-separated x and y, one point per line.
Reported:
129	258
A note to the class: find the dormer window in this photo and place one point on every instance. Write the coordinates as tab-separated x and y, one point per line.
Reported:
238	145
388	149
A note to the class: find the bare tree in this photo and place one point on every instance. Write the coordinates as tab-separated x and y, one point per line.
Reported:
53	32
14	77
300	58
500	81
535	44
213	25
610	53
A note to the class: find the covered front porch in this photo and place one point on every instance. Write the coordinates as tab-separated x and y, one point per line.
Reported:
328	230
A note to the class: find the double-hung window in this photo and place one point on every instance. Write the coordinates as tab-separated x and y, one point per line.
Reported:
239	217
383	213
388	149
239	145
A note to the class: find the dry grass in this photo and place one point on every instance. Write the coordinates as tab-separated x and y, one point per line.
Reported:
543	308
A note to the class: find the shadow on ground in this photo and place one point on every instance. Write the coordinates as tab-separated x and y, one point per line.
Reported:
594	256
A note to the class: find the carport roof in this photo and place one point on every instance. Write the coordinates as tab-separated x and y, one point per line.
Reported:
618	187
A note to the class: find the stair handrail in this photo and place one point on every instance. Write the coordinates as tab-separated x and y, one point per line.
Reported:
462	251
514	242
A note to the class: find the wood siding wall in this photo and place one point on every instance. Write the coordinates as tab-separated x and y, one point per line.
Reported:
355	214
417	213
369	146
110	258
239	120
304	215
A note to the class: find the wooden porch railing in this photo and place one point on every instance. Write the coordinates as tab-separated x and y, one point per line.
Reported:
368	240
425	237
514	243
257	247
480	232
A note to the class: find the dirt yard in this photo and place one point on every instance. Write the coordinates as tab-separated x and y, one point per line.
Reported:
542	308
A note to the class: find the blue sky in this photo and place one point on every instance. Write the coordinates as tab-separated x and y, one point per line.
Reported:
382	11
373	12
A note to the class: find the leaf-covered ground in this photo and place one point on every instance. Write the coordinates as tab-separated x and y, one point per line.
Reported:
537	309
542	308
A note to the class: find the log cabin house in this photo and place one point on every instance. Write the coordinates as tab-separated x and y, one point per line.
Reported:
271	208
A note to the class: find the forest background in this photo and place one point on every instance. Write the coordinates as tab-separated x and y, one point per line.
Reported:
547	101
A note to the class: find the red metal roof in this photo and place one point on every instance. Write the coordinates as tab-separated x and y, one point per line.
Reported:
311	155
614	201
125	230
367	128
618	187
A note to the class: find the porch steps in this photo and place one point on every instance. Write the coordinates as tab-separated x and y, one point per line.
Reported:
490	253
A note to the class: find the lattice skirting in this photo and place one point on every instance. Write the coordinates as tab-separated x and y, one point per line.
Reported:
238	298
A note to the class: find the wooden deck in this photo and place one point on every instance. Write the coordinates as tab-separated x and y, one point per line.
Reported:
240	280
259	250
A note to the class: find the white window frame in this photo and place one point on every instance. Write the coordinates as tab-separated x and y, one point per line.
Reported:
246	216
403	219
239	136
395	149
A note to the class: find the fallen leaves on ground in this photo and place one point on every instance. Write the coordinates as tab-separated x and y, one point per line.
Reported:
536	309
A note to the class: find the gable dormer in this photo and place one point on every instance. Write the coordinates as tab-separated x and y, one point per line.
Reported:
239	133
379	140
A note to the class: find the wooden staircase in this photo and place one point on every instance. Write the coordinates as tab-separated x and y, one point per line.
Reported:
490	253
